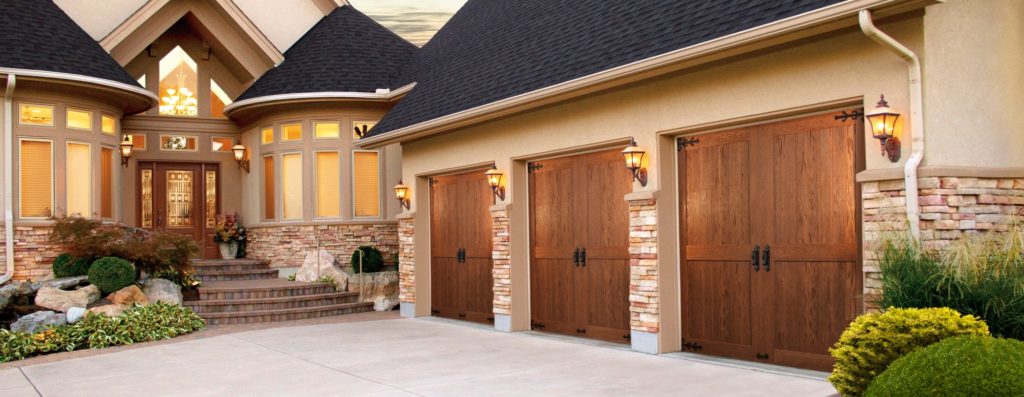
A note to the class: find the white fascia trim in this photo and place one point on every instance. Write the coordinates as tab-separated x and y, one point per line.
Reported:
382	94
795	23
82	79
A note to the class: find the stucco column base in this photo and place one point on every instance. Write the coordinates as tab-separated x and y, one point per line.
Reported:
407	309
644	342
503	322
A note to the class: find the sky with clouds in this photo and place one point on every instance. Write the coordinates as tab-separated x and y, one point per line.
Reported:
415	20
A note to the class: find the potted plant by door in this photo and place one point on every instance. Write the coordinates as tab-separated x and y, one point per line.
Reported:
227	234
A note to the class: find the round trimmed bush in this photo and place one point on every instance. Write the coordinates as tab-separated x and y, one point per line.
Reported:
110	274
68	266
875	340
962	366
373	261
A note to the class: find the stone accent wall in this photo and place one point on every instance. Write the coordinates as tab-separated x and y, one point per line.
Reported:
407	260
33	254
501	255
286	246
951	207
643	266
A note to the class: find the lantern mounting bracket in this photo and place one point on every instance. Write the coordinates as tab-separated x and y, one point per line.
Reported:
856	114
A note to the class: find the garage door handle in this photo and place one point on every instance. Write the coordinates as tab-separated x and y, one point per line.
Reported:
755	258
767	258
576	257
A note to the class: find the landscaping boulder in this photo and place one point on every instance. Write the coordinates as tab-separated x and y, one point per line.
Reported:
60	300
75	314
37	321
6	295
381	288
64	283
112	310
161	290
319	264
128	295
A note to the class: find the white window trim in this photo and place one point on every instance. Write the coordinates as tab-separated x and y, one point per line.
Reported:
92	178
316	177
380	179
116	124
313	124
279	193
53	114
160	143
229	151
53	176
67	120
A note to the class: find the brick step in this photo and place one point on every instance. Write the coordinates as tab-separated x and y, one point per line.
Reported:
201	266
259	289
263	304
266	316
232	275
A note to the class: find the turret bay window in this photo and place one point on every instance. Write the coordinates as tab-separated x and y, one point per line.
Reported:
291	186
35	179
366	184
32	114
79	119
78	177
328	184
107	182
268	187
108	124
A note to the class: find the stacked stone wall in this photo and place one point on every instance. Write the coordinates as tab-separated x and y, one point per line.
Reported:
287	246
643	266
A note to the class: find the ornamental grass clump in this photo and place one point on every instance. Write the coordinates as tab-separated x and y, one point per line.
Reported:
875	340
981	275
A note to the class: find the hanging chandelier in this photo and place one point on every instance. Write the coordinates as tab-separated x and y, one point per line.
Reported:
180	101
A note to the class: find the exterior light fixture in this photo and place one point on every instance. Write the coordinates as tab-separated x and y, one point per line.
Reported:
239	151
494	181
402	194
634	161
883	127
126	149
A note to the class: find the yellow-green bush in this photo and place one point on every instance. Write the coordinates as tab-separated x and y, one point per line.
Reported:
961	366
875	340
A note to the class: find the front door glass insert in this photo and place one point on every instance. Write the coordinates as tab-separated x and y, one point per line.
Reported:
179	198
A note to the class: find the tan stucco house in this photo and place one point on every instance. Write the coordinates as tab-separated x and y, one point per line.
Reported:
744	226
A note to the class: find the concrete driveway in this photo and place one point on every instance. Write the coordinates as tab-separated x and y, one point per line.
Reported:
397	357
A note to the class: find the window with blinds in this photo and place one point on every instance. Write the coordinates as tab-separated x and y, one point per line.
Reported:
291	185
78	176
328	185
366	184
106	182
268	187
36	179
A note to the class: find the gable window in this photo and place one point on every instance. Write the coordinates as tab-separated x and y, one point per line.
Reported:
35	179
108	124
366	184
291	132
78	177
36	115
218	99
326	130
178	85
79	119
267	135
106	182
291	185
328	184
359	128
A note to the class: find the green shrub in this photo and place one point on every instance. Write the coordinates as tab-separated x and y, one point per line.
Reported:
68	266
373	261
111	274
961	366
137	324
875	340
149	251
981	275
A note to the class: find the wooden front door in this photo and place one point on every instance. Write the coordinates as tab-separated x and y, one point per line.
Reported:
771	268
462	285
579	233
181	198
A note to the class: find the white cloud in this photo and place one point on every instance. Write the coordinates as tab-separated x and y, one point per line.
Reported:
415	20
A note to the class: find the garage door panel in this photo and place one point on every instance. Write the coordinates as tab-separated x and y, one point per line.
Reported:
443	287
604	226
444	194
476	288
717	302
717	191
474	226
604	286
552	294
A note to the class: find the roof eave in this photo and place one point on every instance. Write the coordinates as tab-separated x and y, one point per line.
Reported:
140	99
382	95
810	23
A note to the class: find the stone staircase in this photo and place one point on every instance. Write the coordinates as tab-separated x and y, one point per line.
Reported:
245	291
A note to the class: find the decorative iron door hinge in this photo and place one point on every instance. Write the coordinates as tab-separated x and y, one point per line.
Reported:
762	356
627	337
530	168
431	181
856	114
691	346
434	311
682	142
536	325
490	320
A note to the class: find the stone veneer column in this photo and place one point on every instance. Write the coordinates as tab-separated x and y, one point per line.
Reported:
951	207
407	266
643	275
502	268
33	253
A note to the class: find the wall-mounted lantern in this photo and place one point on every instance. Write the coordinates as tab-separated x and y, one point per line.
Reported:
239	151
402	194
883	126
635	161
494	181
126	149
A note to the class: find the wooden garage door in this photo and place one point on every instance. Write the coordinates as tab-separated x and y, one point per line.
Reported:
771	269
579	233
460	236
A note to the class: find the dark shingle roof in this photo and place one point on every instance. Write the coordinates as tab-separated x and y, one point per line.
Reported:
38	35
345	51
496	49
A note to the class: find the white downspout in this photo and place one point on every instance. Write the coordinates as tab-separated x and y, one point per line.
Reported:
916	116
9	178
